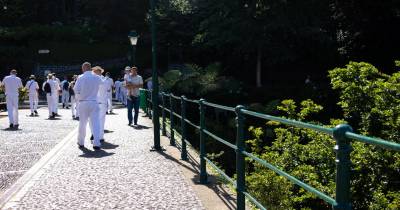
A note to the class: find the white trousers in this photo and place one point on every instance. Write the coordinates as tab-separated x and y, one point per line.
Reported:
89	111
33	101
50	103
117	94
55	102
73	106
102	119
109	102
12	108
65	98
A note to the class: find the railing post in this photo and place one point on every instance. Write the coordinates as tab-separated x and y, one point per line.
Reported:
343	166
183	128
171	120
203	168
164	132
240	160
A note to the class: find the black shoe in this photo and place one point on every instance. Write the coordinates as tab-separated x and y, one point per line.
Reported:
73	117
77	118
101	140
35	112
129	124
80	146
96	148
16	127
32	115
11	126
91	137
57	115
53	115
63	106
106	112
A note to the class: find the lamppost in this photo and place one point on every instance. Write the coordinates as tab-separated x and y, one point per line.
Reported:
156	120
133	38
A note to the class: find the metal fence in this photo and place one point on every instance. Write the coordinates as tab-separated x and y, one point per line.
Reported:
342	134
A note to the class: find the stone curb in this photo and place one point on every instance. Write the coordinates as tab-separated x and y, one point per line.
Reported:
12	195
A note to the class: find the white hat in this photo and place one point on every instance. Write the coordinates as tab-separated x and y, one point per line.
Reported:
127	68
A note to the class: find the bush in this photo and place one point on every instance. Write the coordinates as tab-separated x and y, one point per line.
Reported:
370	102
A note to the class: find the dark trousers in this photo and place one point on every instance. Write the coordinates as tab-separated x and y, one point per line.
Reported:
133	103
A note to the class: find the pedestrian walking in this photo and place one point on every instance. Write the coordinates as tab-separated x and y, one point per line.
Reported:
132	83
12	84
109	84
102	97
86	88
74	101
33	87
65	93
56	96
50	88
117	85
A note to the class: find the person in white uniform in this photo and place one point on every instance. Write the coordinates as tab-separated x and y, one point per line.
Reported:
56	96
87	88
50	88
65	93
33	88
117	89
109	84
74	101
12	83
102	97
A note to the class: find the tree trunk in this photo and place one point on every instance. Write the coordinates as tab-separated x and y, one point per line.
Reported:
258	70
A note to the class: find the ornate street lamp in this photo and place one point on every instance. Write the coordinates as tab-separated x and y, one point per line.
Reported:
133	38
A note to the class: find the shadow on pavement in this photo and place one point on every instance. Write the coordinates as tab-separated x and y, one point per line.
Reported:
11	129
108	145
108	131
140	127
94	154
53	119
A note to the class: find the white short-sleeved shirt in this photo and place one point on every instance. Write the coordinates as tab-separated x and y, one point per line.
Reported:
136	80
102	94
12	83
87	86
32	87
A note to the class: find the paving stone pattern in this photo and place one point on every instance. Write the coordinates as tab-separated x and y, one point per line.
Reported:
20	149
123	175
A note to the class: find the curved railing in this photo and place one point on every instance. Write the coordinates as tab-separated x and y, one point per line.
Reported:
342	134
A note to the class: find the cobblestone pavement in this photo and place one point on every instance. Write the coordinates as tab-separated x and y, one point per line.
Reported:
19	150
123	175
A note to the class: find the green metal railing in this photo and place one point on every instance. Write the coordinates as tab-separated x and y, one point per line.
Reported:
342	134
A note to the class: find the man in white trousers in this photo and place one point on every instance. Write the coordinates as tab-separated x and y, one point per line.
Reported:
87	88
50	88
117	85
102	97
56	97
65	92
11	84
74	101
33	87
109	84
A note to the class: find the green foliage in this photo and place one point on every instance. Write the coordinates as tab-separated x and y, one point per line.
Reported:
370	101
196	81
303	153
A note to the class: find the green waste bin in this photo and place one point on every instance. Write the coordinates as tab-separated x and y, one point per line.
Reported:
143	104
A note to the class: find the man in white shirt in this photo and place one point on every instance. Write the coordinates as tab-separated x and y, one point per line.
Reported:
132	83
109	84
86	89
50	88
33	88
65	92
12	83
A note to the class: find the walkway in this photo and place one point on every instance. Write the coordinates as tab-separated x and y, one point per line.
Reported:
124	175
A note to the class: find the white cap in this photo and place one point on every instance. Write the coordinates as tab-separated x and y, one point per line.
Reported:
127	68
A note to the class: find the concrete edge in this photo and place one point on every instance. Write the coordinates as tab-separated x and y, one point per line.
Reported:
20	187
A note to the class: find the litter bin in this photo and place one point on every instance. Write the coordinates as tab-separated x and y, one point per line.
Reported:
143	104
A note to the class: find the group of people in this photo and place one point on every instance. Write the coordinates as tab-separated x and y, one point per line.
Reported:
90	95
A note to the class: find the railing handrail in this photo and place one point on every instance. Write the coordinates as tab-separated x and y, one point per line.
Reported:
341	133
